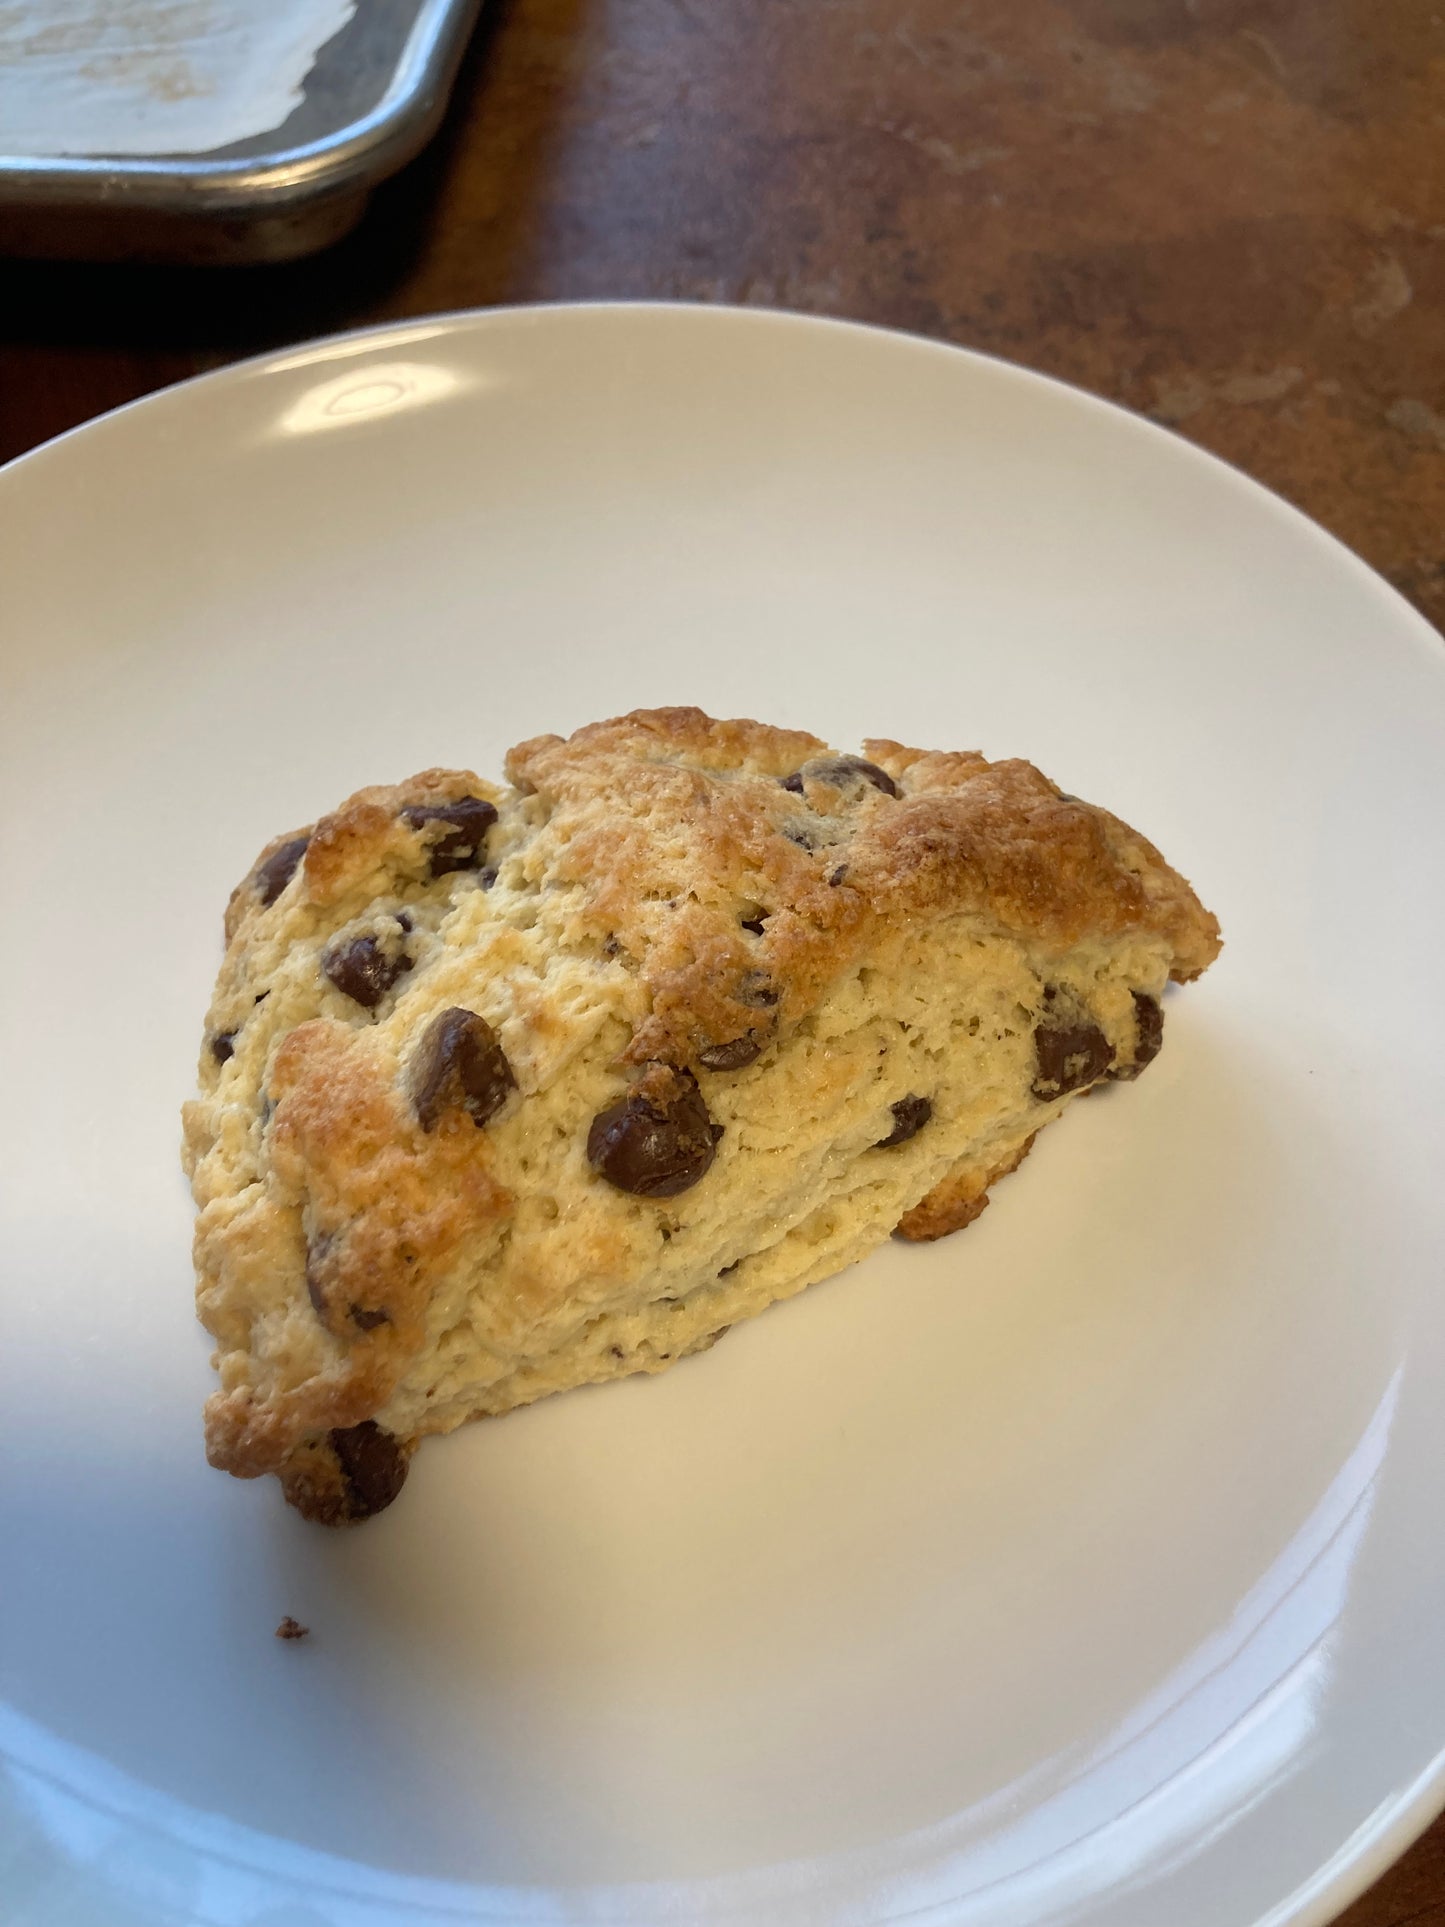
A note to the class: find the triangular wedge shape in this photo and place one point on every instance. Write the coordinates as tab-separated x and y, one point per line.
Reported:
506	1090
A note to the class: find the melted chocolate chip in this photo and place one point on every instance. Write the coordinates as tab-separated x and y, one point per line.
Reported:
223	1046
1148	1037
272	876
459	1065
1149	1016
910	1114
405	921
373	1467
838	875
363	970
316	1253
845	767
363	1317
757	989
1069	1057
840	772
731	1056
466	823
658	1140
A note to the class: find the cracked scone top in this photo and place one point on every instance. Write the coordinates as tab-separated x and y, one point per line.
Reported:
508	1090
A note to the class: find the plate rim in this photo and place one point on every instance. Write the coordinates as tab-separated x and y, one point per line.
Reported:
1401	1818
451	321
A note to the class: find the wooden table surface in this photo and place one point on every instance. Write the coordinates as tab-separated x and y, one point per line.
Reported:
1226	214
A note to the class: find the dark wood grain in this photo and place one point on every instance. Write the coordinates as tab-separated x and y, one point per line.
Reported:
1412	1894
1228	214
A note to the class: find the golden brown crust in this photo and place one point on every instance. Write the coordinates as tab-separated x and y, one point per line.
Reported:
958	1200
359	847
385	1203
377	1210
368	840
707	885
672	824
665	736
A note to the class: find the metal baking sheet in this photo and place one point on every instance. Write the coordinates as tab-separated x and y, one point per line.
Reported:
211	130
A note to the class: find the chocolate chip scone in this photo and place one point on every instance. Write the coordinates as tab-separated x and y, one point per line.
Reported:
508	1090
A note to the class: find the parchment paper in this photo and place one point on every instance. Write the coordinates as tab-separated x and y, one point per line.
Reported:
132	77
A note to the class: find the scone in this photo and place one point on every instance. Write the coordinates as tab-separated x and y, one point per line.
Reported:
509	1090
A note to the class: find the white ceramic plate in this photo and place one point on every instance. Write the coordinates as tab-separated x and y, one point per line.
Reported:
1086	1568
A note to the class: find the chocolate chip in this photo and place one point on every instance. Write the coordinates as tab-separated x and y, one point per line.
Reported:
466	822
405	921
1148	1036
840	772
362	1316
755	924
844	767
910	1114
731	1056
373	1467
316	1253
363	970
1149	1016
272	876
459	1065
658	1140
838	875
223	1046
1069	1057
756	988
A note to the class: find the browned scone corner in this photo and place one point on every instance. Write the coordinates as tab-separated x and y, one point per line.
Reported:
505	1090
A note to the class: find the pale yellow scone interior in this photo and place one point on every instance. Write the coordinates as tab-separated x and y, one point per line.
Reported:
510	1089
